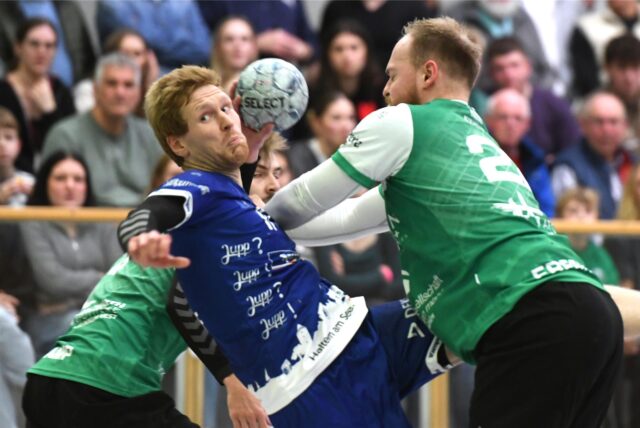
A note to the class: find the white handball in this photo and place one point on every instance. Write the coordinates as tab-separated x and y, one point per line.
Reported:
272	90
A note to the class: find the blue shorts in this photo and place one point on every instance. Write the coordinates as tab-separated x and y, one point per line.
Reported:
363	387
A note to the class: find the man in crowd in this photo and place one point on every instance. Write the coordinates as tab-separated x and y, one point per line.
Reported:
119	148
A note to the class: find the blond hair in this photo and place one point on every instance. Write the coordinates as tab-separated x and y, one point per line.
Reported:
629	208
168	96
583	195
274	143
454	45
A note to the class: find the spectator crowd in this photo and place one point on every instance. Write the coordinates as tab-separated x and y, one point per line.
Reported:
559	90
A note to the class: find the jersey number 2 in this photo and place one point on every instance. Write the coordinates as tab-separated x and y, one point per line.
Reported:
490	164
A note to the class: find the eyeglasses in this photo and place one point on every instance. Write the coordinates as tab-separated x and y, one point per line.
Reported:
35	44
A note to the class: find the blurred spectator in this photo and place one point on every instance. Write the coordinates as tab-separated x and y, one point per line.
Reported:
598	161
385	19
234	47
282	161
119	148
16	357
581	205
36	98
494	19
591	35
553	126
67	258
508	118
131	43
554	21
347	65
15	185
622	63
281	25
331	117
174	29
165	170
625	252
75	55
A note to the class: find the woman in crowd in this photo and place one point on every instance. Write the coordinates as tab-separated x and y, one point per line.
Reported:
331	117
234	47
35	97
67	258
348	66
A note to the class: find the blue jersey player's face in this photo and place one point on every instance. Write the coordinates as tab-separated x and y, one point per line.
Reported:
214	140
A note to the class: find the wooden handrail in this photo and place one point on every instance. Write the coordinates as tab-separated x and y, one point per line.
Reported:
93	214
102	214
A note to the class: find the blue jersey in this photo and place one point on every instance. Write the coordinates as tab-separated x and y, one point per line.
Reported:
279	324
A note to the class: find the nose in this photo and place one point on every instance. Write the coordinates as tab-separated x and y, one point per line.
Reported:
385	90
225	122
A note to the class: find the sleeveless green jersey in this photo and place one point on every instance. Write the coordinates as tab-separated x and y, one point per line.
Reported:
123	340
472	238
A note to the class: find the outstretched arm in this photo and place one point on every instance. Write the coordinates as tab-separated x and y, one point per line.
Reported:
351	219
311	194
628	302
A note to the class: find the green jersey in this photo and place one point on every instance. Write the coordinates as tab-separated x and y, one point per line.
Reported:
472	238
122	341
599	261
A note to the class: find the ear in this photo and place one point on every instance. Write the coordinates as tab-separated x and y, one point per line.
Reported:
429	72
177	146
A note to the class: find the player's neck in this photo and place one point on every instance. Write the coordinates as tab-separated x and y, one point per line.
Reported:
449	92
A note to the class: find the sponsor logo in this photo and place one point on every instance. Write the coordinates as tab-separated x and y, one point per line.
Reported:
273	323
238	251
354	141
246	277
264	103
555	266
259	301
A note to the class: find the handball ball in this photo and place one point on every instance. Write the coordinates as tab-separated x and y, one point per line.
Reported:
272	90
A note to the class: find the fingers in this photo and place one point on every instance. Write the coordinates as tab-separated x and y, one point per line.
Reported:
152	249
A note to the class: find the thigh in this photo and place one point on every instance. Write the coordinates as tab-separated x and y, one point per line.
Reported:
550	362
356	390
406	341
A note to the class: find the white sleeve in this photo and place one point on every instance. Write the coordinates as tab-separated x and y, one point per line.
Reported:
310	194
378	147
353	218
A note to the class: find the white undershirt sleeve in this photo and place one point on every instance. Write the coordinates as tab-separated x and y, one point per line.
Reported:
376	149
310	194
351	219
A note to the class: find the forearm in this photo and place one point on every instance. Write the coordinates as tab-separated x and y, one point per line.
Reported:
195	334
353	218
311	194
628	302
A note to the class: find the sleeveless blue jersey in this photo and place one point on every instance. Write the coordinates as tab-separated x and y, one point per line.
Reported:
279	324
